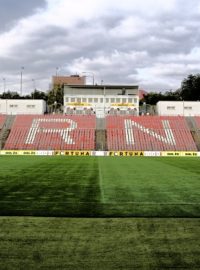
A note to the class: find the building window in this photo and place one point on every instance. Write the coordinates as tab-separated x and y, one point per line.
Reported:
30	106
135	100
187	108
90	99
112	100
95	100
13	106
117	100
66	99
72	99
107	100
130	100
84	99
123	100
170	107
101	100
78	99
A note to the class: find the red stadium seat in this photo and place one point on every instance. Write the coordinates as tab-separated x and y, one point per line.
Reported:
149	133
52	132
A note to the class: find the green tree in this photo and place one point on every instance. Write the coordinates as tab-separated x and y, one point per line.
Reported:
152	98
10	95
55	99
36	94
55	94
190	88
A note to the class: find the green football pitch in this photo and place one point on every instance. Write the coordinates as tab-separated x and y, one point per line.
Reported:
99	213
100	187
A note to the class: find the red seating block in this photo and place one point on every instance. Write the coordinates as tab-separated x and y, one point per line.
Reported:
149	133
52	132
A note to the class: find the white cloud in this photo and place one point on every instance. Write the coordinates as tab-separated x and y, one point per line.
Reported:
153	41
129	27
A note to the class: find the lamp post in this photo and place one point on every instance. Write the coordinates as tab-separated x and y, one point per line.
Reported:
34	87
57	68
4	85
21	74
92	75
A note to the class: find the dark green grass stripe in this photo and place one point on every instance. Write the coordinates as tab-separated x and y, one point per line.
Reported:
89	186
90	243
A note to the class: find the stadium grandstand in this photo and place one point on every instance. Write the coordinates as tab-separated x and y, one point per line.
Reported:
99	118
86	132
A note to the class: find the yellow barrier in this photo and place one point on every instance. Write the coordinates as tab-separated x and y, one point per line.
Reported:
73	153
91	153
18	152
126	153
179	154
78	104
189	154
122	104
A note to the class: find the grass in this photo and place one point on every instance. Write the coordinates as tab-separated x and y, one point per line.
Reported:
167	189
89	243
100	187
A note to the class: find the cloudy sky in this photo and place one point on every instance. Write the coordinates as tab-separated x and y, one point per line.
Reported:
153	43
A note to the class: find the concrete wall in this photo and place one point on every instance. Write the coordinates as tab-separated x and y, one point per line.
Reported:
173	108
22	106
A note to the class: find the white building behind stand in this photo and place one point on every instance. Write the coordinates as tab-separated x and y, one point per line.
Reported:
101	99
174	108
22	106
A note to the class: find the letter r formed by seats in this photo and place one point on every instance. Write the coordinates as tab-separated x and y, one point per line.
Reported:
36	127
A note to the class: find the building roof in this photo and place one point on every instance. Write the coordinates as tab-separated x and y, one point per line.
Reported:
108	86
70	80
142	93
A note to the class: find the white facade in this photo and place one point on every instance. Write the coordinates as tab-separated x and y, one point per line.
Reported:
102	99
175	108
22	106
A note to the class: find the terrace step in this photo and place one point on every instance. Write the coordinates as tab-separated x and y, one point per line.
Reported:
100	140
5	131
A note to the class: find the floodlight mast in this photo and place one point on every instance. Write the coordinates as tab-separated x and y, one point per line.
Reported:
21	82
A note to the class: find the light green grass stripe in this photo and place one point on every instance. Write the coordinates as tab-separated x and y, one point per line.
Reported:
101	182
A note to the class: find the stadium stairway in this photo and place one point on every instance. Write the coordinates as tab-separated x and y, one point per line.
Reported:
100	135
2	120
100	138
5	129
196	136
